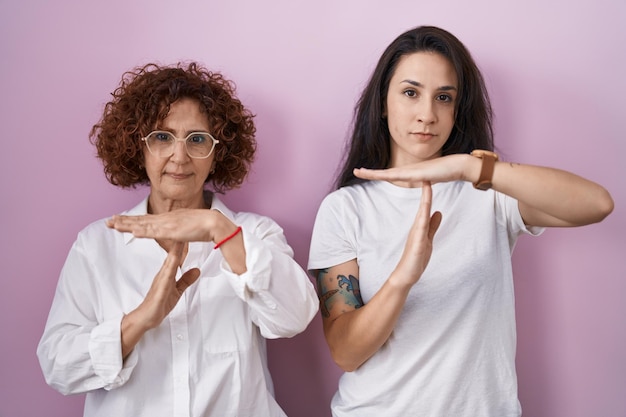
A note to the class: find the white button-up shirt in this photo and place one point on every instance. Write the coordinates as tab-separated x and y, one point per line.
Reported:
207	358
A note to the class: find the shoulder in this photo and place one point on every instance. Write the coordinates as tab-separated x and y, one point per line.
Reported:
348	196
254	220
95	230
342	210
97	233
258	224
96	240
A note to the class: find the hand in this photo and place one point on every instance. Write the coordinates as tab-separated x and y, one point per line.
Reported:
165	291
183	225
442	169
160	300
419	245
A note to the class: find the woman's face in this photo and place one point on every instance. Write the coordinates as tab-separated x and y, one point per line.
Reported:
420	107
178	181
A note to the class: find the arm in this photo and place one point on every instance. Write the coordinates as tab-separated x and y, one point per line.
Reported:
546	196
551	197
279	293
354	331
80	350
74	331
160	300
259	263
187	225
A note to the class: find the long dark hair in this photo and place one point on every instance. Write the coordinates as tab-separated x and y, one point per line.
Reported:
369	145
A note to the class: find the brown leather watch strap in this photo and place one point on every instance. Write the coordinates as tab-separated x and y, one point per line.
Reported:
486	171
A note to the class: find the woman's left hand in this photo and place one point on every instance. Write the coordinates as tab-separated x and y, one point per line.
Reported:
442	169
183	225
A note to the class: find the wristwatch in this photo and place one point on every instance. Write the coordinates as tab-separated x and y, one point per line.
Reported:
486	171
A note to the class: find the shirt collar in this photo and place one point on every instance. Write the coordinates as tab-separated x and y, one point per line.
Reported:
139	210
218	205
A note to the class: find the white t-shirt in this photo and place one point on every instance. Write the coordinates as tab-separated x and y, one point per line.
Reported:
207	357
452	352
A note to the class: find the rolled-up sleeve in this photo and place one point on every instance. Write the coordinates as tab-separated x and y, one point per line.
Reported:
280	295
106	355
77	353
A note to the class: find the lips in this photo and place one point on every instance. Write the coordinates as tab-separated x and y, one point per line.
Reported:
423	135
177	176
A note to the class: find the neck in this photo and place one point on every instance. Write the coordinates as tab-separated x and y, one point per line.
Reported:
158	205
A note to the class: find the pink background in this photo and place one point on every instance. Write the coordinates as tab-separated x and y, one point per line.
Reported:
556	73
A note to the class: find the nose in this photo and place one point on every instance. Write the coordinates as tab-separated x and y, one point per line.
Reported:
180	152
426	112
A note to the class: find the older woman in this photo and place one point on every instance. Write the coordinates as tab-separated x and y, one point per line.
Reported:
175	325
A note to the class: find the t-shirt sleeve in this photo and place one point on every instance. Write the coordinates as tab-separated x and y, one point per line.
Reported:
333	238
508	212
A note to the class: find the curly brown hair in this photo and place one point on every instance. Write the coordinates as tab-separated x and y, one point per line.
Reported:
142	101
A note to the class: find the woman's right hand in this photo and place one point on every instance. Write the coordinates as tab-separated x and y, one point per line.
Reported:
419	244
160	300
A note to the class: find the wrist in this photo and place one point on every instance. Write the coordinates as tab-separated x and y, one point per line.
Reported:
488	161
220	226
227	237
471	168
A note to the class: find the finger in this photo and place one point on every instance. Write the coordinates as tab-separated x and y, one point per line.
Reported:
173	260
166	277
427	192
187	279
116	222
124	223
176	249
435	222
426	199
373	174
426	206
145	226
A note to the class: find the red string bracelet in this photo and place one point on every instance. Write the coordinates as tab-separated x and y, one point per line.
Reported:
227	238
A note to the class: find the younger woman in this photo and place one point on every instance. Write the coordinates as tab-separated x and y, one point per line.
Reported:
419	308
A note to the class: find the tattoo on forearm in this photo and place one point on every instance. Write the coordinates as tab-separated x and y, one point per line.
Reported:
346	287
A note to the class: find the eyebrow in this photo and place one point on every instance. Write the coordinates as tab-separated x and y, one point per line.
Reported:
187	133
418	84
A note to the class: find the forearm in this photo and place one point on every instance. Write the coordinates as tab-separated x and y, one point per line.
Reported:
548	196
280	296
234	252
132	330
355	336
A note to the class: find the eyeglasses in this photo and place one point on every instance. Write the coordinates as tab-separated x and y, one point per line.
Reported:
199	145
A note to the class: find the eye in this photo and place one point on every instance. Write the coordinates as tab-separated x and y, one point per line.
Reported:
445	97
197	139
410	93
162	137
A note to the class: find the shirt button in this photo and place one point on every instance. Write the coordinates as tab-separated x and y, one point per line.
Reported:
179	336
